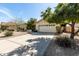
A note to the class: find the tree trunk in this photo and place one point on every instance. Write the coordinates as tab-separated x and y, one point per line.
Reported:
72	30
64	27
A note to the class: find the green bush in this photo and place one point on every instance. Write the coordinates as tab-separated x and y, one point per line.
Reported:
3	27
0	31
8	33
58	29
64	42
10	29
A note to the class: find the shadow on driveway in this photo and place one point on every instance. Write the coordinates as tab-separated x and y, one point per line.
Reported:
40	44
43	33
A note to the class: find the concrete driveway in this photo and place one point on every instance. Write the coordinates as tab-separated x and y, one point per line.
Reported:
10	44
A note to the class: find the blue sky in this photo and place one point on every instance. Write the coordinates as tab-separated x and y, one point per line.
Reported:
10	11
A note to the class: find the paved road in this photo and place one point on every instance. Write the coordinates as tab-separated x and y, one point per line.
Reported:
10	44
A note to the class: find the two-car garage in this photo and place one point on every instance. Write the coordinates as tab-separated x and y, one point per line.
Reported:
47	28
43	26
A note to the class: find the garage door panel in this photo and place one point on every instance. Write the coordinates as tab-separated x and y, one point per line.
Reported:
47	29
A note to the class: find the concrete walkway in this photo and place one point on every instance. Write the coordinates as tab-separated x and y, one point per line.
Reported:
8	45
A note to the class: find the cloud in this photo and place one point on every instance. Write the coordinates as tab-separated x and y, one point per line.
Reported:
6	12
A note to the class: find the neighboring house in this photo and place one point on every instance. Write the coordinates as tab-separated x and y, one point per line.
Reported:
13	25
68	27
44	26
10	25
22	27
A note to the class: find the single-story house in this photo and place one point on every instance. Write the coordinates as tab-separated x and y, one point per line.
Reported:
44	26
9	25
13	25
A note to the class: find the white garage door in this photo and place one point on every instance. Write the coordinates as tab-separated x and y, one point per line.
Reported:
47	28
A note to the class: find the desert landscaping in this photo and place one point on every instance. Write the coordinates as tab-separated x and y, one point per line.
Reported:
55	33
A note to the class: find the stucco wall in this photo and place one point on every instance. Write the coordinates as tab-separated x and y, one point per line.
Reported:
44	23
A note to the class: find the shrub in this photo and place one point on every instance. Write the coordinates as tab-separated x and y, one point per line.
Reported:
10	29
8	33
0	31
3	27
31	24
58	29
64	42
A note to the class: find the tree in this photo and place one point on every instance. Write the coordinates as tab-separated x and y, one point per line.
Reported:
47	14
3	27
58	17
31	24
18	22
64	12
68	12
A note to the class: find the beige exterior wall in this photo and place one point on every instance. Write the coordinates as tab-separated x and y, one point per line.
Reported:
42	23
68	28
